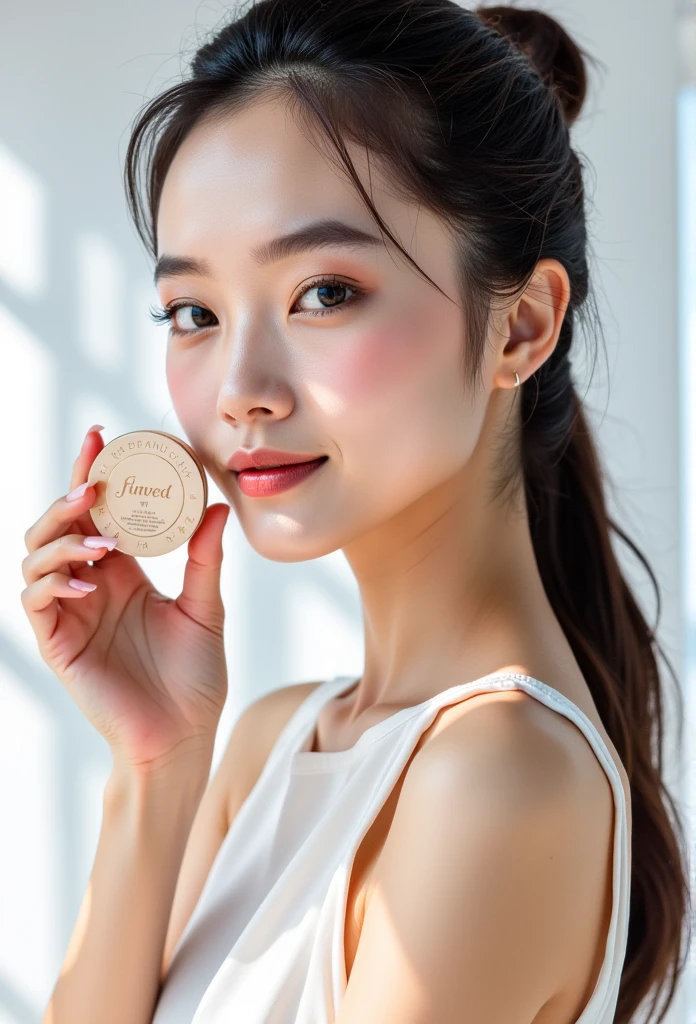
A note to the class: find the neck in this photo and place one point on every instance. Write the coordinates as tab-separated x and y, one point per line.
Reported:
450	591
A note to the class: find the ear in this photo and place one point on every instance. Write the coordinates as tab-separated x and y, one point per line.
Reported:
531	326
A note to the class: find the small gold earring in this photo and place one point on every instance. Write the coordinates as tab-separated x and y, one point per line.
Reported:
517	379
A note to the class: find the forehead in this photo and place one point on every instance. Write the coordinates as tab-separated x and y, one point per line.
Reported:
260	173
256	170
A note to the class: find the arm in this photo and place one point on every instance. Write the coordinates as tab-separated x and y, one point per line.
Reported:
158	841
487	900
111	972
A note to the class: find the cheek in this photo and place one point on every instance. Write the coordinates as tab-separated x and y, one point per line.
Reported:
179	384
192	391
397	402
376	363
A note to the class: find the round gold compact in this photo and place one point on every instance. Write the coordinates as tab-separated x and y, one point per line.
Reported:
151	489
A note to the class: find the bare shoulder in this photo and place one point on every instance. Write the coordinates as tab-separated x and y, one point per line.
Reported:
511	758
252	738
520	744
496	866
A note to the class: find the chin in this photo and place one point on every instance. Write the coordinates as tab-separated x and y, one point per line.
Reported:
279	537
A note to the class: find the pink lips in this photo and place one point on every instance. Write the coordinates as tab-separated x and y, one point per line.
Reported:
262	458
259	483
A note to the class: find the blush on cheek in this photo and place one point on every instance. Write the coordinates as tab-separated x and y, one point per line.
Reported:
376	360
185	391
176	382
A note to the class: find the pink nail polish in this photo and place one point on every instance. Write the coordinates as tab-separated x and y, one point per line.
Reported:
81	585
100	542
78	492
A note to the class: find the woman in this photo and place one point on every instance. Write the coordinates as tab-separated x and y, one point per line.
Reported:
369	226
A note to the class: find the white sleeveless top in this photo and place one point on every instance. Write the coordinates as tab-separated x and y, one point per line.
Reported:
264	944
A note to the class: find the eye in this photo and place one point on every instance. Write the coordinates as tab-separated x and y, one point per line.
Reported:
170	315
326	294
331	293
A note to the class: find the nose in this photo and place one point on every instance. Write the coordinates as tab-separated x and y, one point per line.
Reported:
254	385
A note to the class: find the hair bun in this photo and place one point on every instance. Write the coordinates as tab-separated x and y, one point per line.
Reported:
557	58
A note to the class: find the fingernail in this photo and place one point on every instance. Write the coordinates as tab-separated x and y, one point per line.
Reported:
78	492
81	584
97	426
100	542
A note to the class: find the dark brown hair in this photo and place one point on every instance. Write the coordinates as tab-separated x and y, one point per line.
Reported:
470	110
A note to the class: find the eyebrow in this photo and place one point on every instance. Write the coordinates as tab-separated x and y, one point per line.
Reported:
317	235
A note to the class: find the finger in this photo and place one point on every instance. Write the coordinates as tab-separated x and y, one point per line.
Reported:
200	596
60	553
41	605
59	517
91	446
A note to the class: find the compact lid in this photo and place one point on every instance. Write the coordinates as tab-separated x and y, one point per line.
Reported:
151	489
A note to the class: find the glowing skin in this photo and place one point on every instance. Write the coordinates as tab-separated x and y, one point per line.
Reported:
448	580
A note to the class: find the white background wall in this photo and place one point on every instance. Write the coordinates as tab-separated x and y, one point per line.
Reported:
79	348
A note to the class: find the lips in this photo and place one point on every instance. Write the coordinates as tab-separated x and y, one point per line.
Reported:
263	483
268	458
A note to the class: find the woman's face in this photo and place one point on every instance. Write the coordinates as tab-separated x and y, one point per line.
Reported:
365	369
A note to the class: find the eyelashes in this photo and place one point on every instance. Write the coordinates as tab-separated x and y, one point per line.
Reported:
167	314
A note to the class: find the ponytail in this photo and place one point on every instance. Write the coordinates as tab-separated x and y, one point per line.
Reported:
617	652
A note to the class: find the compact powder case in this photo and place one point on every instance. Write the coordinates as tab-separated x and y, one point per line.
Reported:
152	492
